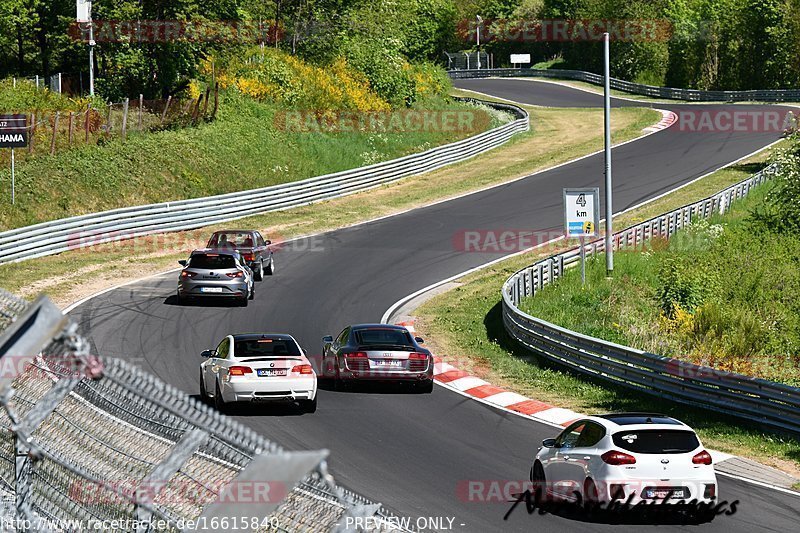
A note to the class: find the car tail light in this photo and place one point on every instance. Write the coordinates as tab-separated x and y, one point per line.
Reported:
249	257
417	362
234	274
357	361
616	458
702	458
302	369
710	492
187	274
239	370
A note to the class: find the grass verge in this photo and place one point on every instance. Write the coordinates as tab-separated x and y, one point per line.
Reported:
552	140
675	298
245	148
465	327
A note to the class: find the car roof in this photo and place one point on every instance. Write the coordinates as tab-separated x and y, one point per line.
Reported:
638	421
253	336
234	231
357	327
219	251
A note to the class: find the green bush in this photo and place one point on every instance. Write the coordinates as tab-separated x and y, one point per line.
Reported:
683	284
781	210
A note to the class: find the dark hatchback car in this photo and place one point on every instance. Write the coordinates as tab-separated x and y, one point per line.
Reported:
254	249
377	352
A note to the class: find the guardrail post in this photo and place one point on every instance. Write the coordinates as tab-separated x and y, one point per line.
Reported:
540	277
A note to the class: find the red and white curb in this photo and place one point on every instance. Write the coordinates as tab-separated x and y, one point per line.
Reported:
466	384
668	118
460	381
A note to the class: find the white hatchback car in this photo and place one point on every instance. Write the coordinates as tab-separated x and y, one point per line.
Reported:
644	457
258	368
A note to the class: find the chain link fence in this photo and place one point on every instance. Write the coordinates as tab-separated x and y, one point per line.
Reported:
87	440
468	60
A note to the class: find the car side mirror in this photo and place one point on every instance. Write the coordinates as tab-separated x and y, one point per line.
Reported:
183	262
208	353
268	242
420	340
327	339
549	443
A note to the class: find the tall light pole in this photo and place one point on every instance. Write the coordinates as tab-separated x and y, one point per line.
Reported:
84	15
609	203
91	53
480	21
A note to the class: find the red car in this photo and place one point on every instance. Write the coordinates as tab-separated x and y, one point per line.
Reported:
253	248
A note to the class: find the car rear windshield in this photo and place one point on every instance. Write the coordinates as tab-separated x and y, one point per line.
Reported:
218	262
266	348
232	240
656	441
383	337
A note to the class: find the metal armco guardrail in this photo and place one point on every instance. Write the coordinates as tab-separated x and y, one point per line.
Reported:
770	404
76	232
85	440
689	95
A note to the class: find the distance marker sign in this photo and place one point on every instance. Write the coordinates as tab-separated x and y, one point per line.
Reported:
13	131
582	212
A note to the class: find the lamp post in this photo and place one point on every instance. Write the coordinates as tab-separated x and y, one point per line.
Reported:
480	21
84	15
609	204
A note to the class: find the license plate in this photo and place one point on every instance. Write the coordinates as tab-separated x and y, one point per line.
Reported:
270	372
661	494
211	289
391	363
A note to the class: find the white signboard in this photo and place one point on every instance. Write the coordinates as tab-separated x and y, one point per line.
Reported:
518	59
84	11
582	212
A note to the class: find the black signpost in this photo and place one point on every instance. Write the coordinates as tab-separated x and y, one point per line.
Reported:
13	134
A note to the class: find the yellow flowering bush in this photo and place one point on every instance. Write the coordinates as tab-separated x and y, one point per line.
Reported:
282	78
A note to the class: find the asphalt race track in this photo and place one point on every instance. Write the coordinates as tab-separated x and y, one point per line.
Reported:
416	452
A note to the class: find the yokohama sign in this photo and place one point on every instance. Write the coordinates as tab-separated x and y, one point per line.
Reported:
13	131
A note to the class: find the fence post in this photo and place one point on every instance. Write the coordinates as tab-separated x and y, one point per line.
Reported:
22	477
141	103
205	103
196	110
166	108
69	135
33	133
86	123
55	132
216	100
125	119
108	118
